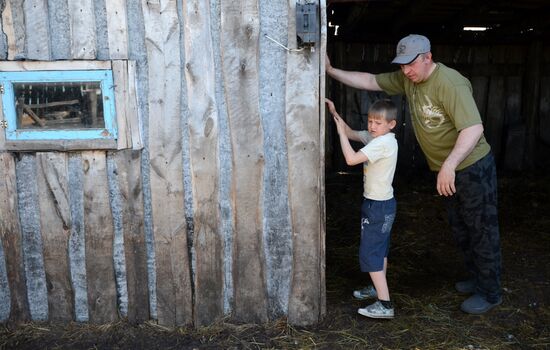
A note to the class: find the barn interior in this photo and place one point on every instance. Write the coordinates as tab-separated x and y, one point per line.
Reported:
503	48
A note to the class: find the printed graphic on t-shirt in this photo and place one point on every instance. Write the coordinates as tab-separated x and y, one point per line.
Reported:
432	116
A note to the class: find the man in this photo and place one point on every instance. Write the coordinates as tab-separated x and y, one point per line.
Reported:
448	127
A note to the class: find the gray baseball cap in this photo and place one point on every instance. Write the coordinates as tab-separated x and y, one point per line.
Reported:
410	47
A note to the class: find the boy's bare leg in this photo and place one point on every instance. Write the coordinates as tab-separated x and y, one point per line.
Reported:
380	283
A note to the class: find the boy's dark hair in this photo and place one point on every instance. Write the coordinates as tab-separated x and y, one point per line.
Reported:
385	109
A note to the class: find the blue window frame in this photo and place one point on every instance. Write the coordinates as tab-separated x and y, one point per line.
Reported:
59	105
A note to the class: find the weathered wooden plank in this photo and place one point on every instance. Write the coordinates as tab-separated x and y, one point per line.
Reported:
513	101
117	211
60	30
29	212
322	147
225	165
203	154
77	241
5	297
15	66
129	129
117	28
9	31
59	145
120	77
128	171
495	115
302	122
239	42
37	29
55	221
18	20
132	112
277	233
515	147
101	30
83	35
138	51
531	95
174	293
480	87
544	111
98	228
11	239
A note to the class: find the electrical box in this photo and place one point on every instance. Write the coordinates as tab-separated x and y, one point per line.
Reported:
307	24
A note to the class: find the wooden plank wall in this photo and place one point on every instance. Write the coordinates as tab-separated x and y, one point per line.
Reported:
239	42
506	85
214	215
203	144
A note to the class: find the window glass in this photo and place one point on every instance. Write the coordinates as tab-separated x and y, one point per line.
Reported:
59	105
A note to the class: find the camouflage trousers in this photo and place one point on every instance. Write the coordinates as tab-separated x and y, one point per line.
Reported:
473	217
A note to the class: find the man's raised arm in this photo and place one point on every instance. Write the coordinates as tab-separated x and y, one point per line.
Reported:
358	80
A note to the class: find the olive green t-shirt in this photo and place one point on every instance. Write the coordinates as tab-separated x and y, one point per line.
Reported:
440	107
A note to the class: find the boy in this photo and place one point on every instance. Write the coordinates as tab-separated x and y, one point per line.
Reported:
379	158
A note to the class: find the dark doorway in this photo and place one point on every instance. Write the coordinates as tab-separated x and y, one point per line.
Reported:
511	85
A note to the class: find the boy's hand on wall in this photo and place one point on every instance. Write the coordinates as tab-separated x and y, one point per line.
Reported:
340	123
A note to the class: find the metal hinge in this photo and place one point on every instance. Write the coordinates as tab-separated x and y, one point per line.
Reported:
3	124
2	89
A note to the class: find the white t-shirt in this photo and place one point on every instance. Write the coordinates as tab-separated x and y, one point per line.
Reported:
378	171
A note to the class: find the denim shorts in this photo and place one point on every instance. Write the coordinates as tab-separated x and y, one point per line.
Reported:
376	221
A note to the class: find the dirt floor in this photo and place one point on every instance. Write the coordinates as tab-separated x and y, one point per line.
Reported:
424	264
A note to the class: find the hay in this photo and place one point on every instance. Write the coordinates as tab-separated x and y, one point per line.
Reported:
423	267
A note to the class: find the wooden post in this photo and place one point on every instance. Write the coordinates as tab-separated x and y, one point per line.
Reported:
302	122
239	42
